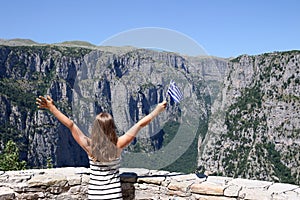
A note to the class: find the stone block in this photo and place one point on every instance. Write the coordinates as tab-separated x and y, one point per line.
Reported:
78	189
31	195
74	180
68	197
286	196
4	178
6	193
178	193
85	179
127	186
148	187
209	197
278	188
255	194
232	191
179	186
207	188
128	177
157	172
81	170
148	195
141	186
250	183
128	191
151	180
54	190
186	177
138	171
47	180
20	187
219	180
19	179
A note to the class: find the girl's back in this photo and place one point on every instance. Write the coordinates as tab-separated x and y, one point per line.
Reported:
105	180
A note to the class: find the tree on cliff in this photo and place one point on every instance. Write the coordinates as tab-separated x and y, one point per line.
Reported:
9	159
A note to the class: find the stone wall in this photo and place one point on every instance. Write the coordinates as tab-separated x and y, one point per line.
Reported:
71	183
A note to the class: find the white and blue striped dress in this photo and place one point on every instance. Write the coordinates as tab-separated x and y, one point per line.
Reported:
105	180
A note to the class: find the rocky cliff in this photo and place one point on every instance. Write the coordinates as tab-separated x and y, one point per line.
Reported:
239	117
84	81
254	131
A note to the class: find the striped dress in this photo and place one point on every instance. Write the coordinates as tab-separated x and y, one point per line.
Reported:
105	180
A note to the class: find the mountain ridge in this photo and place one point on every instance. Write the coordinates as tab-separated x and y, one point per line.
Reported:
230	100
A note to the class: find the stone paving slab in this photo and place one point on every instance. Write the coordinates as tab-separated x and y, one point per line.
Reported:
249	183
208	188
6	193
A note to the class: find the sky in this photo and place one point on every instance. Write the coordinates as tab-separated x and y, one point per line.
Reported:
223	28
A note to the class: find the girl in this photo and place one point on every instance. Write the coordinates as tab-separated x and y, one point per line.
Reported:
103	148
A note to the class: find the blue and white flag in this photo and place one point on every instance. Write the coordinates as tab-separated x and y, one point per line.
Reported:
175	92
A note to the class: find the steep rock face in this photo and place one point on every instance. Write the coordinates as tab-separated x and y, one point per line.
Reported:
254	132
27	72
84	82
129	85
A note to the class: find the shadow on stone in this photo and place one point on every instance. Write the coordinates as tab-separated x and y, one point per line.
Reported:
201	175
128	179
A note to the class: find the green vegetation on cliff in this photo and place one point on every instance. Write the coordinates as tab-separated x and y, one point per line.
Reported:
9	159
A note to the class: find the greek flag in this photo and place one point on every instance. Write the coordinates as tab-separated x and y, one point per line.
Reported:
175	92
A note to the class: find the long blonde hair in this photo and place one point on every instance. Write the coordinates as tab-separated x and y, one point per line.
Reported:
104	139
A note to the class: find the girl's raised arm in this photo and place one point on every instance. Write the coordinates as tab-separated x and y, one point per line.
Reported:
80	138
125	139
